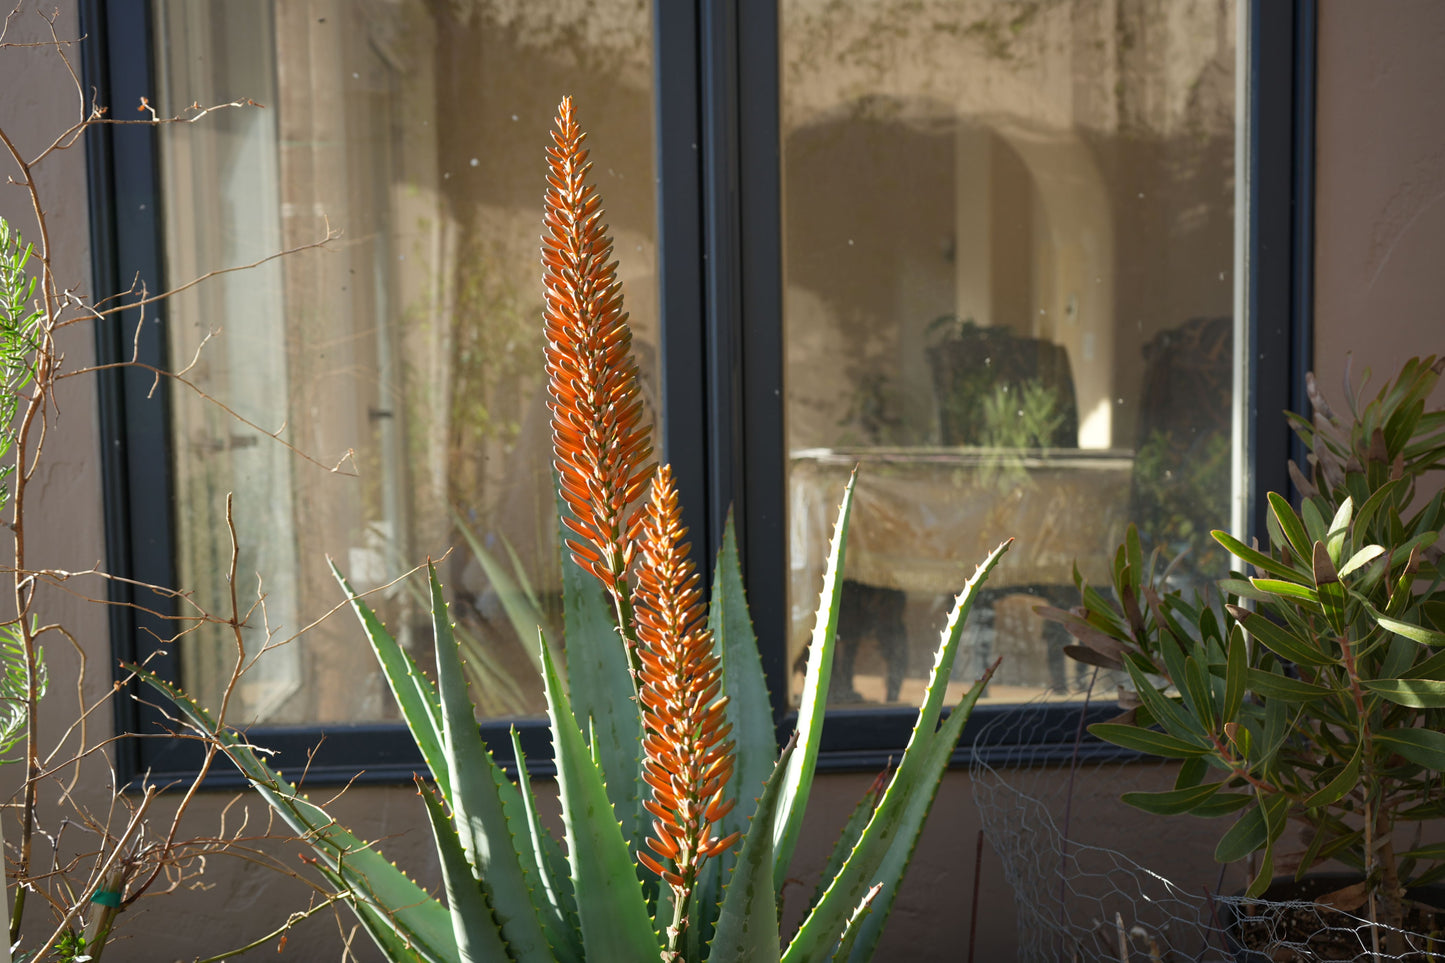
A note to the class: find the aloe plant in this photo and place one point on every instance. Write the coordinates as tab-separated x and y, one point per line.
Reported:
681	815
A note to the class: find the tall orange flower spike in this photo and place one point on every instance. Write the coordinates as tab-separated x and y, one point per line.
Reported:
601	445
688	757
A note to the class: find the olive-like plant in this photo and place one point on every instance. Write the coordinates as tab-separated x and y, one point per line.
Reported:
1310	688
681	815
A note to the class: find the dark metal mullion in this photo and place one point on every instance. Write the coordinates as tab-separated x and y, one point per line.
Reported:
1279	208
1302	240
722	274
123	170
763	512
676	80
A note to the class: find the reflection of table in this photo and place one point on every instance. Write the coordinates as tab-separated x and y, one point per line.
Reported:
924	517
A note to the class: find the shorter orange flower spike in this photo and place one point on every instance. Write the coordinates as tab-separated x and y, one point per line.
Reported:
688	757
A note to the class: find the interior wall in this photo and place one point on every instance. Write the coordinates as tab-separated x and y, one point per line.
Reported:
1379	244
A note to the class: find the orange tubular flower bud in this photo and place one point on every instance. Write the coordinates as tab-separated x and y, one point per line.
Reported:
689	759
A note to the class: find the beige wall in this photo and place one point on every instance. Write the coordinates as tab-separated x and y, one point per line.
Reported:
1380	287
1380	189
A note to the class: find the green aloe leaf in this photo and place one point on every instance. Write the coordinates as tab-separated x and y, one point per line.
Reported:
601	688
415	694
848	942
545	861
886	845
749	711
381	894
915	805
611	910
749	708
852	829
798	781
747	922
479	939
482	825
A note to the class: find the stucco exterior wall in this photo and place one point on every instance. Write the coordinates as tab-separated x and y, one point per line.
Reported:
1381	236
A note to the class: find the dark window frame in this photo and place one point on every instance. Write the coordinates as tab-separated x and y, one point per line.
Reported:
718	166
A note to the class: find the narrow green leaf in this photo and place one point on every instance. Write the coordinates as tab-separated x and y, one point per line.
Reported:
481	823
1175	720
1415	693
1290	524
1409	629
1249	833
610	907
1346	779
1431	668
1424	747
415	695
479	939
747	922
381	894
601	686
1172	802
799	778
1280	641
1273	685
1288	590
1236	676
1200	696
1255	557
1221	804
1146	740
1327	584
1338	530
1361	558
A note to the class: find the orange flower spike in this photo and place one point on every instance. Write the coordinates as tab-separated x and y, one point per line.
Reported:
689	758
601	445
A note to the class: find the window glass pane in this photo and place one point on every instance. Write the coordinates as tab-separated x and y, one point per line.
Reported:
1009	281
414	341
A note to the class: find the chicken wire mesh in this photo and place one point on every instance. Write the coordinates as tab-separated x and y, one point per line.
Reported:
1092	880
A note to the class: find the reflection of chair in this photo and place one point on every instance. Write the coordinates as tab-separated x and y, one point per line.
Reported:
867	610
973	362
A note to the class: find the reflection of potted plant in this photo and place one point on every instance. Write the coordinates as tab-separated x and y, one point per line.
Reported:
1313	693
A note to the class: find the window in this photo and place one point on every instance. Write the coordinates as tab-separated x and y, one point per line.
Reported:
989	250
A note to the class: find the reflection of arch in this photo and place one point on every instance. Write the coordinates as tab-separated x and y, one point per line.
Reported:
1028	243
1074	235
